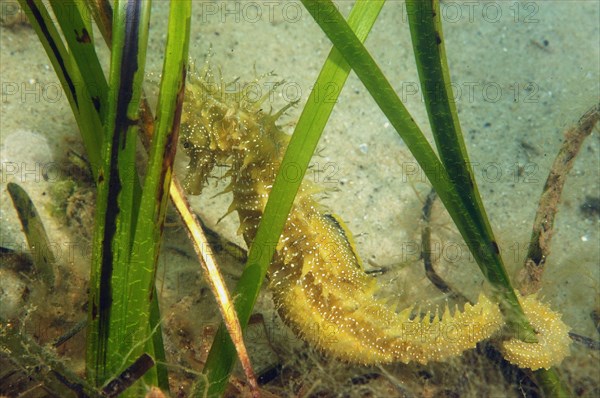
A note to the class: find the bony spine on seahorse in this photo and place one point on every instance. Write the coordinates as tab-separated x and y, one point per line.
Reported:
316	276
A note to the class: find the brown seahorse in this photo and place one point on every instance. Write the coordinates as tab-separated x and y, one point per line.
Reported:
316	276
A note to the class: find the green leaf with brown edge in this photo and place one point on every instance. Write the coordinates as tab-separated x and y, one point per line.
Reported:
72	82
109	334
155	193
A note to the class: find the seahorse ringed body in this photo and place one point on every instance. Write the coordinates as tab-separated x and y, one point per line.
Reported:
316	276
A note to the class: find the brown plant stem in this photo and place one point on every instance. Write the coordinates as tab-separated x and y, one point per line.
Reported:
530	277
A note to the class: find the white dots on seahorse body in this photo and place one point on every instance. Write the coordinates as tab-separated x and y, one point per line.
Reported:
318	281
551	332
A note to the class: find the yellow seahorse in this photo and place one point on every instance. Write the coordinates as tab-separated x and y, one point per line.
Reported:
316	276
